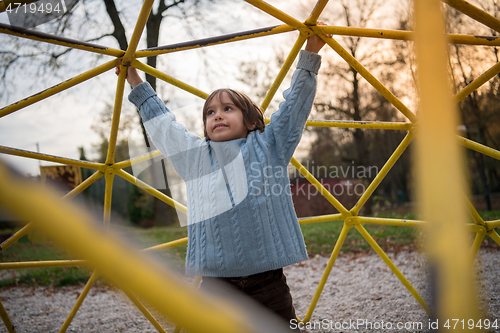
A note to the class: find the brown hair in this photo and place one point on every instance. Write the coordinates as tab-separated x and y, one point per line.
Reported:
253	117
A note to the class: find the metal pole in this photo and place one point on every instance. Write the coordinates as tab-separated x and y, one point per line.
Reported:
162	76
318	9
6	319
58	88
328	196
115	121
383	172
222	39
180	207
476	13
439	169
58	40
283	71
273	11
328	269
393	268
50	158
400	126
79	302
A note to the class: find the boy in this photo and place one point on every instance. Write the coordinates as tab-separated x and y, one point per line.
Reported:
242	226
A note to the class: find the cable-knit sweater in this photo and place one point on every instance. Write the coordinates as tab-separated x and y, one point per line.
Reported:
241	219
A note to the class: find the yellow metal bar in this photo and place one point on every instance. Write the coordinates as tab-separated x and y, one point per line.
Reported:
473	213
474	85
318	9
470	227
473	40
273	11
50	158
138	159
14	238
477	242
326	273
84	185
214	41
475	12
115	122
79	302
360	124
144	311
6	320
157	194
169	245
70	263
162	76
73	229
58	88
328	196
479	147
406	35
109	176
494	235
196	283
42	264
367	75
393	268
283	71
58	40
323	218
394	222
440	177
493	224
136	35
383	172
24	230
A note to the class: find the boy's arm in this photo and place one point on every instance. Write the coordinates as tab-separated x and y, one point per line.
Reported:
169	136
287	124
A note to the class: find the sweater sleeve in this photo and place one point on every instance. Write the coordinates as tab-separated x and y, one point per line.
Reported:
288	123
169	136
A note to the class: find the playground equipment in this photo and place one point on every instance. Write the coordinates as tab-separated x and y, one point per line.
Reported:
439	175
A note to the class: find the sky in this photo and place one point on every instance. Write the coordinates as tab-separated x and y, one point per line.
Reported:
62	123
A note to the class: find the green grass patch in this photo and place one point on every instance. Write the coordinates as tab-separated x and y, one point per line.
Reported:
24	250
320	239
160	235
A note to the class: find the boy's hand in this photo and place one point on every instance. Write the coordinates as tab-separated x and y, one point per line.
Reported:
314	43
133	77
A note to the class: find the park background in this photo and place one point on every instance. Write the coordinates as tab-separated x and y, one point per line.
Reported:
76	122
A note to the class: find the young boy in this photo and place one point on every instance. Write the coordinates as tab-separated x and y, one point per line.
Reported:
242	225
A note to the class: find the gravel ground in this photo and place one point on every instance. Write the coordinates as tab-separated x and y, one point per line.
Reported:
359	288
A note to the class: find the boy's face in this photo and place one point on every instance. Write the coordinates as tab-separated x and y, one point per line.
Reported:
224	120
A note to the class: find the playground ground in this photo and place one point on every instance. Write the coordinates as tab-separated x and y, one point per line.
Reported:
360	289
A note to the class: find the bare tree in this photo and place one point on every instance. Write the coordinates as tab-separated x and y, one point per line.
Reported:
479	111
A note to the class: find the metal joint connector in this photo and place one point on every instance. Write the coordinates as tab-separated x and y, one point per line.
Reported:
352	220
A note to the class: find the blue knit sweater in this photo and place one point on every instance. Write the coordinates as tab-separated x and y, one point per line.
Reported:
241	219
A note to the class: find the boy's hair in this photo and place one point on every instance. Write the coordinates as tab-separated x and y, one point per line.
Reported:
252	114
